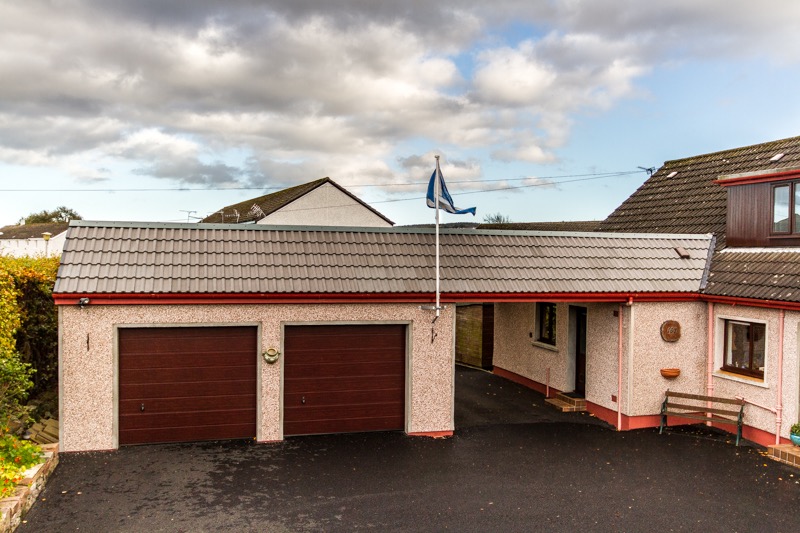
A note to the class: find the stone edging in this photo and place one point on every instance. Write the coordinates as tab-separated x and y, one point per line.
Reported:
14	507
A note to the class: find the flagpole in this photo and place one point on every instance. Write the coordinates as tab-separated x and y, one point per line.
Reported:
436	195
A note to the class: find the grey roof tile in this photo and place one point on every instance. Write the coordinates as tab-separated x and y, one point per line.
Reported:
191	258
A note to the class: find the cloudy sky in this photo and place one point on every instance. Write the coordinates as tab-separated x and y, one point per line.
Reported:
540	110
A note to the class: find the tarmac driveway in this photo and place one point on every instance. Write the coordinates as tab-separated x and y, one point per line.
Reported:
502	471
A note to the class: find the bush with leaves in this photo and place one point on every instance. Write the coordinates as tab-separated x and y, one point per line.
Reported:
28	331
33	315
37	336
16	456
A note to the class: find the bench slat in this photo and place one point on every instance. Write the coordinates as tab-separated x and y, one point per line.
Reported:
713	399
706	418
702	409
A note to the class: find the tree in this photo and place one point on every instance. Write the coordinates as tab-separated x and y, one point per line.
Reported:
496	218
60	214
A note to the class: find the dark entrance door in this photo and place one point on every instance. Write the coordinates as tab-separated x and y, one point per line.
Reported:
580	351
344	378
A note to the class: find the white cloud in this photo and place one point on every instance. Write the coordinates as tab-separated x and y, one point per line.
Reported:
334	88
513	76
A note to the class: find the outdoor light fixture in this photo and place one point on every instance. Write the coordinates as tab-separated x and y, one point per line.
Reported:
46	236
83	302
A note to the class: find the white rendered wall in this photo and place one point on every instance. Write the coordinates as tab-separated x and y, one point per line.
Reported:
325	206
34	246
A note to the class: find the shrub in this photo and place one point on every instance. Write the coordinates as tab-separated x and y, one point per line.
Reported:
15	382
16	456
28	317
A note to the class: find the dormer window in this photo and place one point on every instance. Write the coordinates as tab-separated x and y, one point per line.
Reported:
763	208
786	208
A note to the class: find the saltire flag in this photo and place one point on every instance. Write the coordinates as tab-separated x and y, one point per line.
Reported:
445	200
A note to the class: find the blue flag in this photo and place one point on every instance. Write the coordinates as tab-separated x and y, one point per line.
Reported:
445	200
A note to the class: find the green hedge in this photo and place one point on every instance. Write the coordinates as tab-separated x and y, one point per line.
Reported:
28	330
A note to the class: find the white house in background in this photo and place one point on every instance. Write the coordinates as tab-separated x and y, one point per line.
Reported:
33	239
318	203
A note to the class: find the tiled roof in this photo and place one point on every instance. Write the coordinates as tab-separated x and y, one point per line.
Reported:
145	258
566	225
763	274
28	231
682	197
270	203
689	201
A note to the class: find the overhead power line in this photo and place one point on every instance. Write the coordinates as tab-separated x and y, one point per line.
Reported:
585	177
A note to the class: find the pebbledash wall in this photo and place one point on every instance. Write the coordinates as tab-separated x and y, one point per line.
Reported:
88	361
644	353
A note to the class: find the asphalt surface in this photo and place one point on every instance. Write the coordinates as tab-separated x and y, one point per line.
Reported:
512	465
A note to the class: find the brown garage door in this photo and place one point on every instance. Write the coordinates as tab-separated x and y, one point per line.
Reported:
187	384
340	379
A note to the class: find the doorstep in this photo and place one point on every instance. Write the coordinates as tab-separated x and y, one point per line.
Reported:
785	453
14	507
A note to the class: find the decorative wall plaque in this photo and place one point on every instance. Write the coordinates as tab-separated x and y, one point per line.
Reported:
671	331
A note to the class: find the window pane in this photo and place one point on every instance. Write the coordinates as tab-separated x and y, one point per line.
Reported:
780	209
758	331
738	348
796	221
546	322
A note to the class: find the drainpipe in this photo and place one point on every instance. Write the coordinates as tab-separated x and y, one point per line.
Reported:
619	371
710	354
710	357
779	392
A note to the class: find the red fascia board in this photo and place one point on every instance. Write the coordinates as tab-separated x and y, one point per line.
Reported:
750	302
761	178
282	298
589	297
246	298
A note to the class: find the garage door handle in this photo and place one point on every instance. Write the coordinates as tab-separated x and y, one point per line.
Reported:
143	408
303	400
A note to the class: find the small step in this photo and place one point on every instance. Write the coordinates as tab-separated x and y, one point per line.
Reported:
567	404
785	453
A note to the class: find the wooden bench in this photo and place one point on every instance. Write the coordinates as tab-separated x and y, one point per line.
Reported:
696	407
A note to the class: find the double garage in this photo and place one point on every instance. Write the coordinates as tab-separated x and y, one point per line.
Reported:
195	383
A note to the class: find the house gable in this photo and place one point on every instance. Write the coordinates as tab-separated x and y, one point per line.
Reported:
255	210
326	205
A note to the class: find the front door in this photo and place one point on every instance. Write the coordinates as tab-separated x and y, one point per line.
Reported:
580	351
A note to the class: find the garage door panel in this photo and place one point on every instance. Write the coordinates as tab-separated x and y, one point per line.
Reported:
196	383
188	375
323	370
339	337
183	419
352	378
328	356
343	426
196	389
344	397
169	405
147	361
344	412
302	386
191	433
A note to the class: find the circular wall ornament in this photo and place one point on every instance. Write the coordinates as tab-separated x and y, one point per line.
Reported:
671	331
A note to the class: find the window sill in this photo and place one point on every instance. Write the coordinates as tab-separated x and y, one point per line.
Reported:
544	345
748	380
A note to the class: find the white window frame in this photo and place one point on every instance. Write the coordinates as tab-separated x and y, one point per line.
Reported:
719	351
